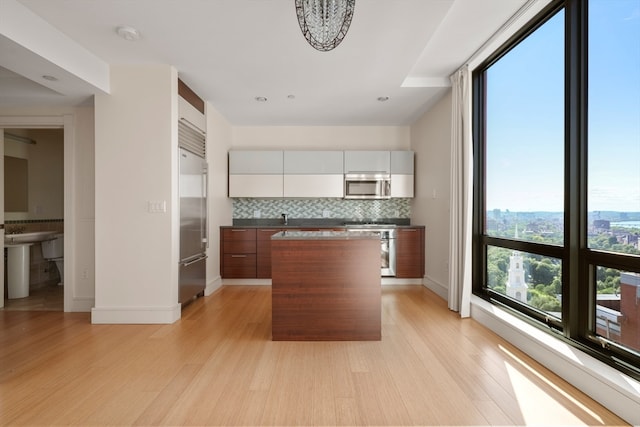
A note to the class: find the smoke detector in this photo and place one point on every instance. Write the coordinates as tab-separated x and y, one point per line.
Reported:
128	33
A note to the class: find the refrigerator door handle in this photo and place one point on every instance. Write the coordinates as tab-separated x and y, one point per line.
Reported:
186	264
205	191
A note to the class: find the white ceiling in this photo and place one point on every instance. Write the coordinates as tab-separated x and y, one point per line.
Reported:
231	51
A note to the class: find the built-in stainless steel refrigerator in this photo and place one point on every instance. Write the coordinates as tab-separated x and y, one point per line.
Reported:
193	225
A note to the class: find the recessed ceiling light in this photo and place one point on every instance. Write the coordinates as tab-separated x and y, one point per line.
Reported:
383	98
50	78
291	96
261	99
128	33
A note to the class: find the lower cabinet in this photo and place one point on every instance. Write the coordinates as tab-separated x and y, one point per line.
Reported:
263	252
245	253
410	253
238	253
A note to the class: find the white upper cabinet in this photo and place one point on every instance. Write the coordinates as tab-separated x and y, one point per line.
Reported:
402	177
402	162
255	173
313	174
256	162
313	162
367	161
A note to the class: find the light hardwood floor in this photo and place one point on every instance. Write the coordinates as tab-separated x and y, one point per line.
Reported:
218	366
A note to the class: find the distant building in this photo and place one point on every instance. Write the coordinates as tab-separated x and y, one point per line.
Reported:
618	316
516	285
629	307
628	239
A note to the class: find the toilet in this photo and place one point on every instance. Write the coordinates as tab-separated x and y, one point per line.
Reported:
53	250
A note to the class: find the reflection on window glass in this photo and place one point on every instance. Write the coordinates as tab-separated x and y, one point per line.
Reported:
525	138
614	125
531	279
617	316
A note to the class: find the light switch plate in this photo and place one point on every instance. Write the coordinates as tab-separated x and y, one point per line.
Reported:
157	206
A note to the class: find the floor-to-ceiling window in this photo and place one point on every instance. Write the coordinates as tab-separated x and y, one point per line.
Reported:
557	176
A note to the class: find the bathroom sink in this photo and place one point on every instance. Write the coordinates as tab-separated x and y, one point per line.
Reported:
32	237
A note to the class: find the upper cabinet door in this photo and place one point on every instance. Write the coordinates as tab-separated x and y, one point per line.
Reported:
402	180
402	162
255	173
367	162
191	115
313	162
255	162
313	174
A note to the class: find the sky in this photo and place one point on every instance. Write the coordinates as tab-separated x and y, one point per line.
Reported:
525	116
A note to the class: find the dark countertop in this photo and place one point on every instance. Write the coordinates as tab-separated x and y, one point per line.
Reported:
324	235
318	222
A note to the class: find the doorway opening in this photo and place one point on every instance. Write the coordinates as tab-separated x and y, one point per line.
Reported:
34	219
65	124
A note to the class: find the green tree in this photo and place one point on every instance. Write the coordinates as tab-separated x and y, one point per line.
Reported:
544	302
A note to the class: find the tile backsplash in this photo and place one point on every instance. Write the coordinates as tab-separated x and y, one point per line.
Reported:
248	208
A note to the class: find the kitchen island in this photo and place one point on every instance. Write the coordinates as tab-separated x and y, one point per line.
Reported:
325	286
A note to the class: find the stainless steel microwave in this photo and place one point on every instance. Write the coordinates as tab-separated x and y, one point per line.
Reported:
367	186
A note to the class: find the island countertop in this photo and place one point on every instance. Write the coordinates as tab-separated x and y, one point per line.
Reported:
324	235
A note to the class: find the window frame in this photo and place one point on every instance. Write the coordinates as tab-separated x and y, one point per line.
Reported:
579	262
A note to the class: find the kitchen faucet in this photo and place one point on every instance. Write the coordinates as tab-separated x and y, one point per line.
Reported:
285	218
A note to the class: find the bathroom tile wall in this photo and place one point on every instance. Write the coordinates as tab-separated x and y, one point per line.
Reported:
30	225
246	208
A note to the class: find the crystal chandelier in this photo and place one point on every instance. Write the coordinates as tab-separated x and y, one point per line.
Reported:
324	23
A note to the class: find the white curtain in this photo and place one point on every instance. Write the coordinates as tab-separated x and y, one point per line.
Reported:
461	194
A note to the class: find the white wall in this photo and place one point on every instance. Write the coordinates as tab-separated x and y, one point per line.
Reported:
431	141
136	161
219	135
321	137
82	190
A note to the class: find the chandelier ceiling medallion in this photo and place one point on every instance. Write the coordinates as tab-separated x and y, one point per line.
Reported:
324	23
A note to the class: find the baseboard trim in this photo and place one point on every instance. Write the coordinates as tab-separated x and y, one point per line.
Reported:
135	315
81	304
392	281
617	392
385	281
441	290
213	286
246	282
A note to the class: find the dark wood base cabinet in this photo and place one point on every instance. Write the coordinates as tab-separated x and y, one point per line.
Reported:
410	253
245	253
238	253
263	252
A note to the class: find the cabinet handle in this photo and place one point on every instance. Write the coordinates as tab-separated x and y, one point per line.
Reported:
238	256
410	229
235	230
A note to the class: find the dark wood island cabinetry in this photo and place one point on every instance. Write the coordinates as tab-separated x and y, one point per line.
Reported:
325	286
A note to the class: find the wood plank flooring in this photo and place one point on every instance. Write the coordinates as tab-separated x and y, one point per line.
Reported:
218	366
